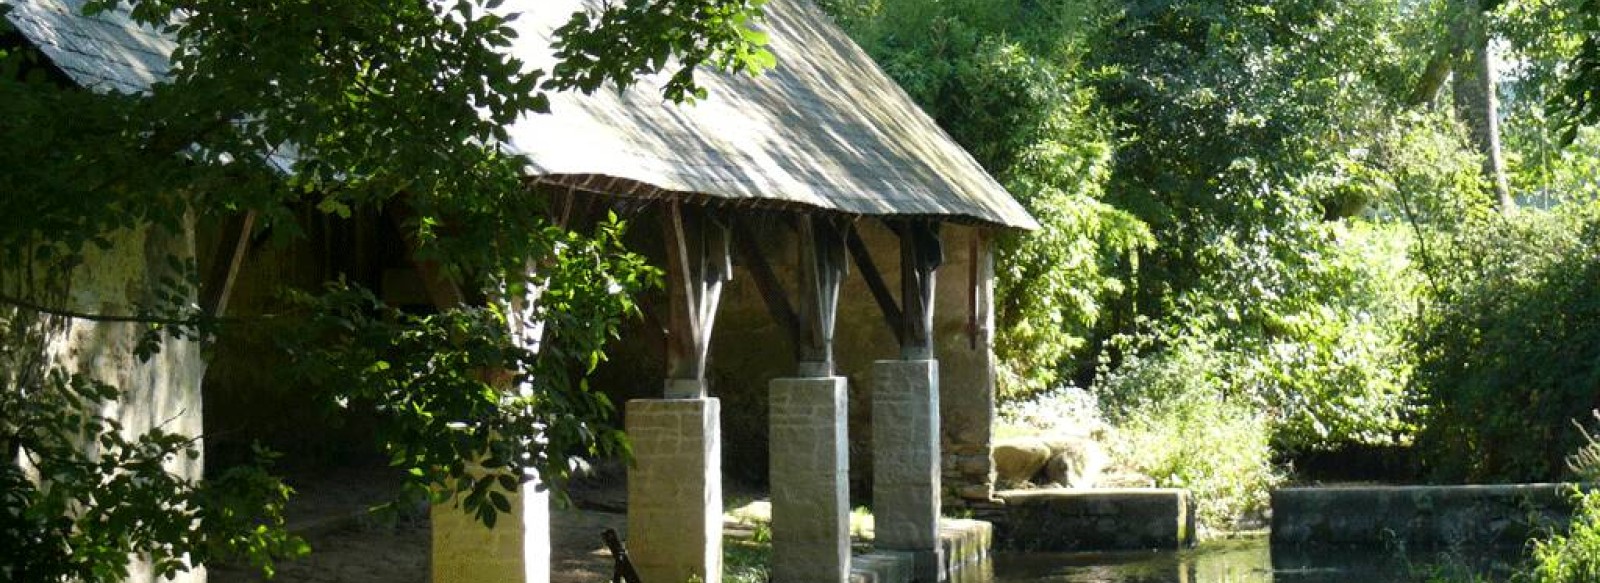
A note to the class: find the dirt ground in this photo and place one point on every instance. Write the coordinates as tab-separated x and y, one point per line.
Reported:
348	547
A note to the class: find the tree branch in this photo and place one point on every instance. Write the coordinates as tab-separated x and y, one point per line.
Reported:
65	313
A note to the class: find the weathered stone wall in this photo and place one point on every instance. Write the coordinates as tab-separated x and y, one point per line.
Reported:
161	392
748	349
1060	519
1417	517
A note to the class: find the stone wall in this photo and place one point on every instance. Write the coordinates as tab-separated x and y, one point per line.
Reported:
1061	519
163	391
748	349
1417	517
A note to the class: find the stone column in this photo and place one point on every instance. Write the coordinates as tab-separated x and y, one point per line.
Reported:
675	489
810	467
516	550
905	461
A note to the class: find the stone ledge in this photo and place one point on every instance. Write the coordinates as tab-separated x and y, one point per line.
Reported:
1061	519
882	567
1417	516
964	544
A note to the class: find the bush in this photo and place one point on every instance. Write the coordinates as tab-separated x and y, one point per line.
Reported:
1573	557
1177	424
1510	351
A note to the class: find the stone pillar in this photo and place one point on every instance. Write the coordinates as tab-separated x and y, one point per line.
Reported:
675	489
515	550
905	461
810	467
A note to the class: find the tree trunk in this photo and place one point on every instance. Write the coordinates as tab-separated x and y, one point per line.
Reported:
1474	87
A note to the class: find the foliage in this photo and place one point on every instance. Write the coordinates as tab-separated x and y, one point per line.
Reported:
105	494
1006	80
461	403
1177	424
1574	556
1580	95
388	105
1338	371
1585	462
1507	352
746	560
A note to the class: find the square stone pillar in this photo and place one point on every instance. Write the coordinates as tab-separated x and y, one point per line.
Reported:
516	550
905	461
809	471
675	489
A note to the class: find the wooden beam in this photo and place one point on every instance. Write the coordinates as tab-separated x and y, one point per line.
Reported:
716	270
443	292
822	270
921	253
766	280
875	284
681	294
699	263
224	270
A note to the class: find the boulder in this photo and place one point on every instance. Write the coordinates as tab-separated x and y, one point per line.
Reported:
1075	462
1019	460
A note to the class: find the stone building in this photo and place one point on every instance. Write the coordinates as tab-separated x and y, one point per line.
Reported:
827	317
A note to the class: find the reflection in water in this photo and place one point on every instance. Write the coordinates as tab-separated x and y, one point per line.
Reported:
1246	561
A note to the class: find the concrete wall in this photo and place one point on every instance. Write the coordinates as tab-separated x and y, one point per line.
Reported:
163	391
1059	519
748	349
1417	517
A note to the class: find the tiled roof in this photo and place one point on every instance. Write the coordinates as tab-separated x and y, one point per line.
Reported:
826	129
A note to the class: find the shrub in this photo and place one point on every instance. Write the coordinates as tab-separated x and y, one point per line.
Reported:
1176	424
1510	351
1573	557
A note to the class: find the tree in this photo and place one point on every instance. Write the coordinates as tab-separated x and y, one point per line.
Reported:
1006	80
1580	98
1474	87
342	106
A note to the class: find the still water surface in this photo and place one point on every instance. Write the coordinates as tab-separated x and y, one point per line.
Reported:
1247	561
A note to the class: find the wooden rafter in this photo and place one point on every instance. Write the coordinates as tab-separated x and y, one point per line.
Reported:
875	283
225	268
441	290
767	283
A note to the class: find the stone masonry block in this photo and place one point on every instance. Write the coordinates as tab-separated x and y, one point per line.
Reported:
809	473
675	489
906	460
516	550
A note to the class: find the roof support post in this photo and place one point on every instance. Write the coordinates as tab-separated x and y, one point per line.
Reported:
822	270
921	253
699	262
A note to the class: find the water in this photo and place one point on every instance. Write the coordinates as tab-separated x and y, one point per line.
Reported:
1250	561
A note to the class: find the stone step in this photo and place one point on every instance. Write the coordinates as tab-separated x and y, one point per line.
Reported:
1062	519
964	545
882	567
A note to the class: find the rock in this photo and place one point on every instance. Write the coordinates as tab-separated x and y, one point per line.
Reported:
1075	462
1019	460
